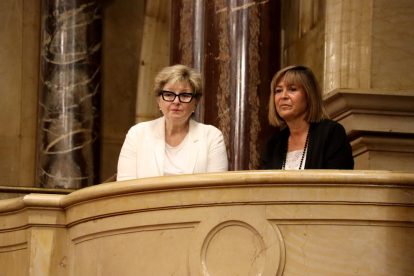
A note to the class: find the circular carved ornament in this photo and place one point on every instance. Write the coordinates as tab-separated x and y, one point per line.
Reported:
236	246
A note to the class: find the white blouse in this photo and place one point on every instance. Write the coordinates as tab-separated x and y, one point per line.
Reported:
175	160
293	160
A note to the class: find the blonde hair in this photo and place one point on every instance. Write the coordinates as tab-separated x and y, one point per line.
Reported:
179	74
303	77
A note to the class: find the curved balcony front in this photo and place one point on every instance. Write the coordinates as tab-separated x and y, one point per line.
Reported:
235	223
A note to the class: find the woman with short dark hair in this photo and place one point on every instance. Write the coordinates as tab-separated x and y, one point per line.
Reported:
173	144
309	140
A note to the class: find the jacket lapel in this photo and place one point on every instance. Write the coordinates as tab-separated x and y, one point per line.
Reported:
159	145
193	147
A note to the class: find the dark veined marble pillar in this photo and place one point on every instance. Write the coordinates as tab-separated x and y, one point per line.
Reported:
69	101
241	53
187	38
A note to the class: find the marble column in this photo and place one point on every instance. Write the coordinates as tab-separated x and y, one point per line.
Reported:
239	41
187	39
69	100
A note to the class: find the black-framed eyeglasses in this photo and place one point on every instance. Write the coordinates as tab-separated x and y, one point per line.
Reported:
169	96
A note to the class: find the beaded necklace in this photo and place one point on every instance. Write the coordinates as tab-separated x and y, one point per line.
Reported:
303	154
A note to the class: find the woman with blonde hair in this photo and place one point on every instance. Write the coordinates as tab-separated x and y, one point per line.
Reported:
173	144
309	140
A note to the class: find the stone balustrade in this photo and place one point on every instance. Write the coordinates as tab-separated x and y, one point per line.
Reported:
312	222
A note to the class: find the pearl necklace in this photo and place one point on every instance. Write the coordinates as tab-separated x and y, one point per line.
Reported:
303	154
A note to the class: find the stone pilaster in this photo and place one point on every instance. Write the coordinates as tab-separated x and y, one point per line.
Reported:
369	79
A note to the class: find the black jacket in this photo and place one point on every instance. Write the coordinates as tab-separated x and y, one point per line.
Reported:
328	148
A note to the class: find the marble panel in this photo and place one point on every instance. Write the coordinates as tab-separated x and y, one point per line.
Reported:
346	250
27	161
306	14
10	161
30	87
11	24
155	252
387	158
347	62
19	73
13	240
340	213
303	36
383	152
11	20
391	161
121	47
109	156
14	252
385	123
155	55
308	51
48	251
290	21
12	261
361	162
30	67
392	40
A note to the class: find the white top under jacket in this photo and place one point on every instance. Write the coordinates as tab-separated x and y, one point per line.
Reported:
142	154
175	158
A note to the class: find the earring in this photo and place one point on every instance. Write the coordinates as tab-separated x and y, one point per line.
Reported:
193	111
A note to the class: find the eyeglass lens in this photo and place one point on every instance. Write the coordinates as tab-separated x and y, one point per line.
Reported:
170	96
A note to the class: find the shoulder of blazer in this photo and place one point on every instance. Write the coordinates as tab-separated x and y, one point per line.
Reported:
147	129
324	127
194	130
199	130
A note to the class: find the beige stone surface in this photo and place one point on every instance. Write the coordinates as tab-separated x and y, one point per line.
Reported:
347	62
380	125
235	223
30	91
19	72
347	250
155	55
303	35
11	20
383	160
121	46
392	40
114	252
48	251
14	253
9	165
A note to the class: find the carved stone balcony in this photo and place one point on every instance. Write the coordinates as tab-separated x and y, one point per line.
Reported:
312	222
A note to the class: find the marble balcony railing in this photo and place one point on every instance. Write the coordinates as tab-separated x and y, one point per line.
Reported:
233	223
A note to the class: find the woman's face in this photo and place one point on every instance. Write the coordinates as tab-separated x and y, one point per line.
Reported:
176	112
290	101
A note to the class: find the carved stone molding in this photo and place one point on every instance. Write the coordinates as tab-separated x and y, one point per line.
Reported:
379	124
339	102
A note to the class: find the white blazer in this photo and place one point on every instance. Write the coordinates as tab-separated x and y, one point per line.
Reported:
142	154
